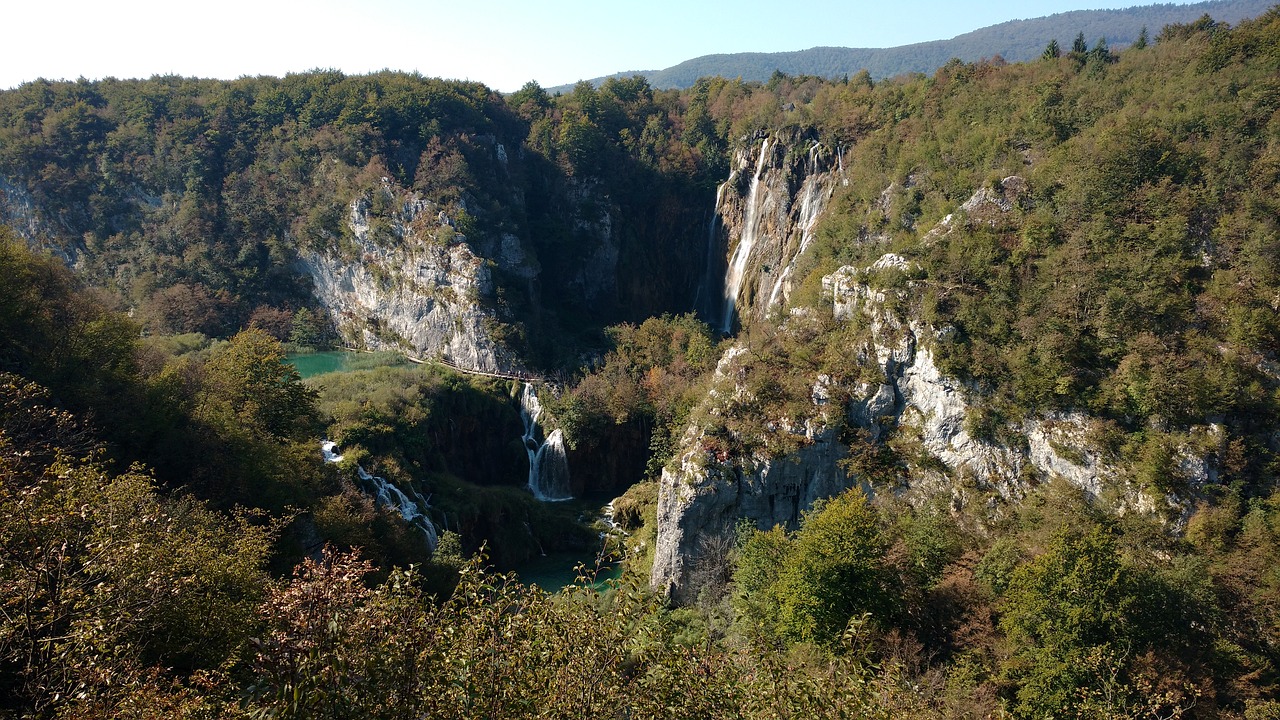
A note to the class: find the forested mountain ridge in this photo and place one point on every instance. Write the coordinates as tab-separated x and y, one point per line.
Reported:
1015	41
1066	267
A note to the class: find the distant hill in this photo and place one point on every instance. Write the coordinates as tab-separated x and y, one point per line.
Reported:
1015	41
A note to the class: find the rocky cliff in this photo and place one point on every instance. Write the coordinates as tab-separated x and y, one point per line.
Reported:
409	281
19	211
929	419
703	497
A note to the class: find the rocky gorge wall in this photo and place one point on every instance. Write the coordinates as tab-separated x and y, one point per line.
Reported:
19	211
703	495
418	287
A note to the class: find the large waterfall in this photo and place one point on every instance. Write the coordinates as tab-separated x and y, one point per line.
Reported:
813	198
548	464
386	494
750	225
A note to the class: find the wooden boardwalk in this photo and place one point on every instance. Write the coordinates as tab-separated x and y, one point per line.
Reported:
524	377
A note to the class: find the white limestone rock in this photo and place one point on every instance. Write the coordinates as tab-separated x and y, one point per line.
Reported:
706	494
420	294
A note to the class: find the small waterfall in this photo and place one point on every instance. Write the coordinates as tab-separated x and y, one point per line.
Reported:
813	200
612	527
386	494
738	264
327	448
548	463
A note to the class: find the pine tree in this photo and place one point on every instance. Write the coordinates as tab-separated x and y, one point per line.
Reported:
1100	51
1051	51
1079	47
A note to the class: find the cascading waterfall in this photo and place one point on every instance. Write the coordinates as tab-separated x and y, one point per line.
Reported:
386	494
613	529
742	253
813	200
548	463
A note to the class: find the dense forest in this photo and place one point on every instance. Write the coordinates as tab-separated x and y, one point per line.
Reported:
193	201
173	543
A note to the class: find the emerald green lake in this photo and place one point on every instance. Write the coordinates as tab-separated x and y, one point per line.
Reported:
556	570
330	361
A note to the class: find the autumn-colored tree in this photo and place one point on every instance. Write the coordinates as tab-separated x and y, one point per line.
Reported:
108	589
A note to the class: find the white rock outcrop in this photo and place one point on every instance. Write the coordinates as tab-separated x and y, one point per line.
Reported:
705	496
421	293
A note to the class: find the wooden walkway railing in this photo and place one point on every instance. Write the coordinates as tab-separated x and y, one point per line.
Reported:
525	377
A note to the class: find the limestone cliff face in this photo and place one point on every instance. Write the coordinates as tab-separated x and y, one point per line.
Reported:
703	496
19	211
702	500
766	213
409	281
918	397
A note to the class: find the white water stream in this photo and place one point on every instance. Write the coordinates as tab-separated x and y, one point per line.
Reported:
742	253
386	494
813	199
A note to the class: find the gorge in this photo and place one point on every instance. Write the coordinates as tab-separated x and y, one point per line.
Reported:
937	396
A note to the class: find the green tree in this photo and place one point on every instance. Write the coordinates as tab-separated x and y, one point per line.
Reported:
1076	600
1051	51
105	585
1100	52
759	558
1078	46
249	379
834	571
305	330
530	101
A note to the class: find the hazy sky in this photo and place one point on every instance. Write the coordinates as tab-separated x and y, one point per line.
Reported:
502	43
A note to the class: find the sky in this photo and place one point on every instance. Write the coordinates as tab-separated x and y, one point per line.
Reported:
502	43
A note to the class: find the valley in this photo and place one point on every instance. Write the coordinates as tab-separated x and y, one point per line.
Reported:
945	395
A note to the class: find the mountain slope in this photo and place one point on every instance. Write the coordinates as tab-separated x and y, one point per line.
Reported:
209	205
1015	41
